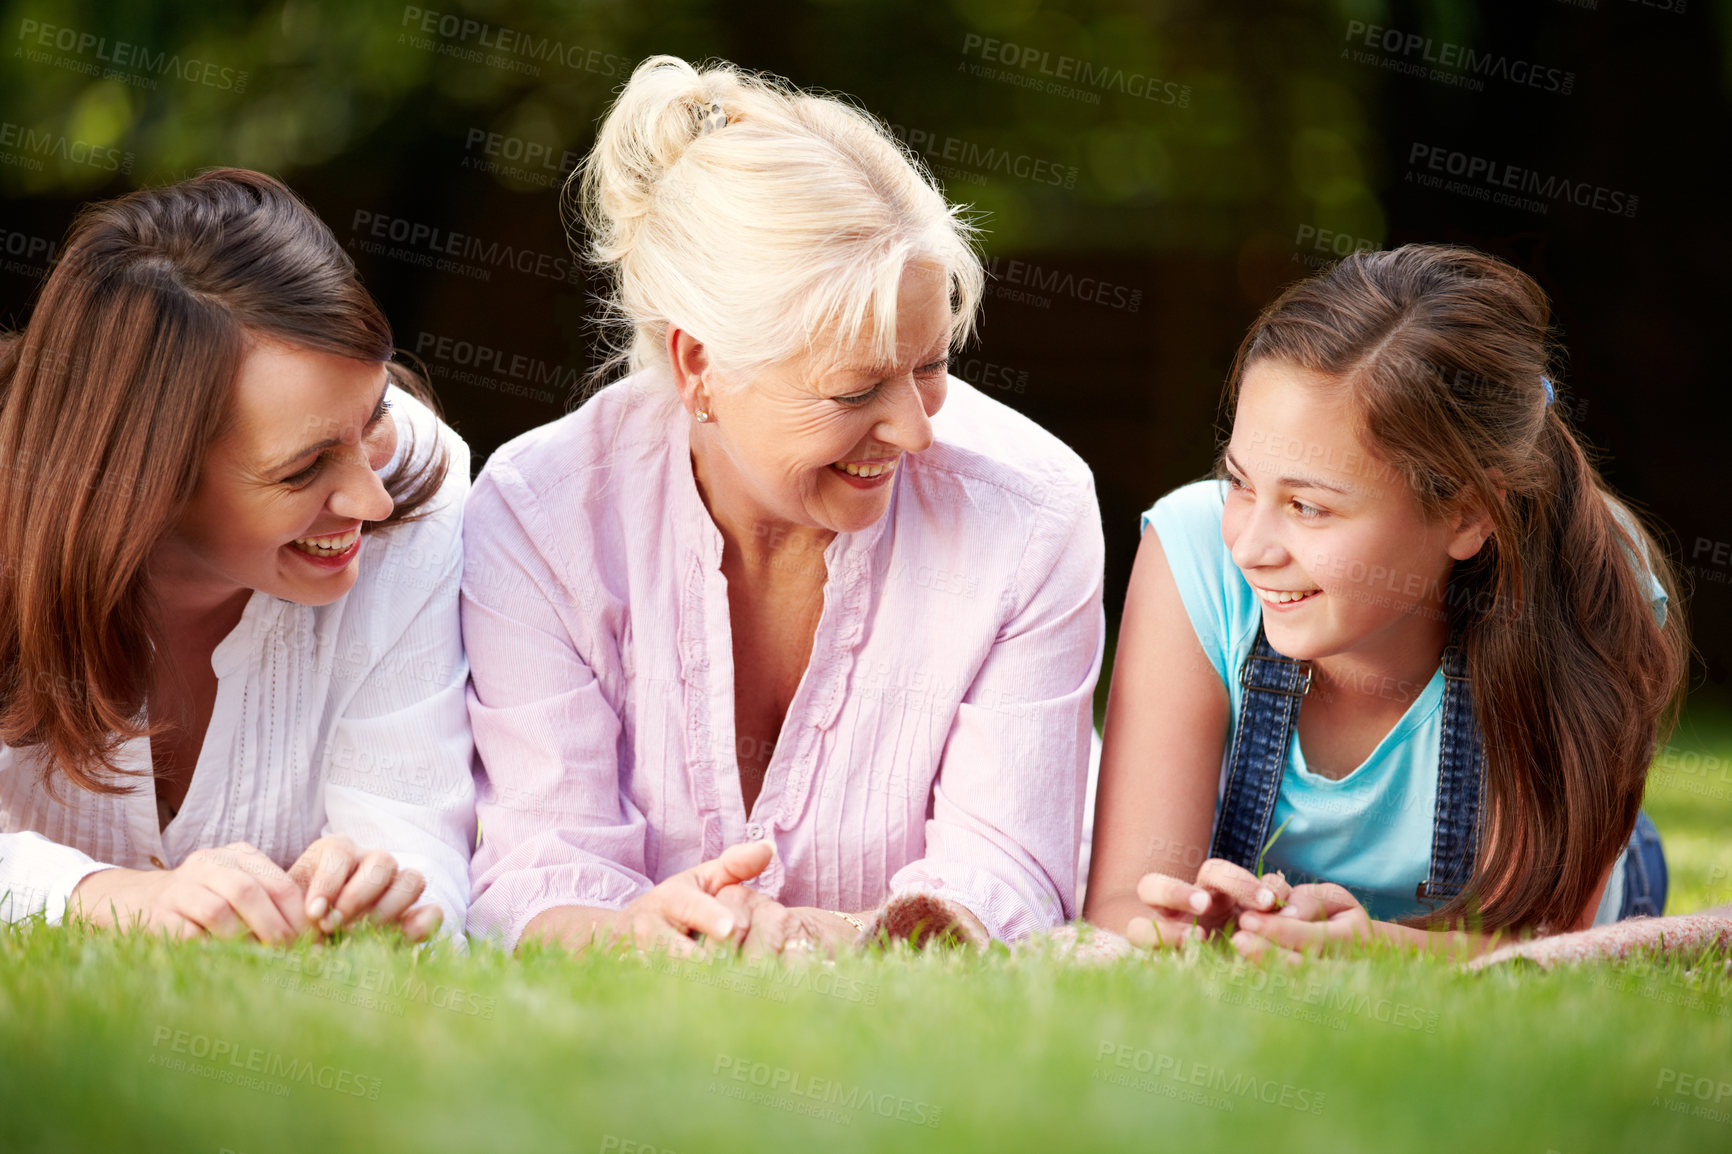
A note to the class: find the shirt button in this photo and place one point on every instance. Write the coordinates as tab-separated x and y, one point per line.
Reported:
754	832
157	862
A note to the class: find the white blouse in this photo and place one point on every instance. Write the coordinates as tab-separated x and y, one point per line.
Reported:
347	718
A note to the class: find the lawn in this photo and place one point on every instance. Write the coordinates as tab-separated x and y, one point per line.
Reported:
127	1044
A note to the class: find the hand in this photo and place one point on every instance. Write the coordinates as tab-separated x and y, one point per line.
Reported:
1318	918
669	916
342	884
791	931
231	892
1192	911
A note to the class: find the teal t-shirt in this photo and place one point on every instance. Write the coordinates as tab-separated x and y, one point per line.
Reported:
1371	830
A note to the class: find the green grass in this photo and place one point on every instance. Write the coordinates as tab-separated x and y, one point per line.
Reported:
1005	1052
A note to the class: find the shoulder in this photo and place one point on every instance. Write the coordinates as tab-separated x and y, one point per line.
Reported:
1638	556
585	449
1189	509
1222	609
555	507
435	535
984	446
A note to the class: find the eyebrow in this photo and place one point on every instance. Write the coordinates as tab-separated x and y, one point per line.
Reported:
942	352
328	441
1293	482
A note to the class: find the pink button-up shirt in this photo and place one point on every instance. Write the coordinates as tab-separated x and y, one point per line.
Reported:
938	740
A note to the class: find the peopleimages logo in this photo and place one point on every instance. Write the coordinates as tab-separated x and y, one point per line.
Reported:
114	58
1413	54
495	45
1502	183
1039	62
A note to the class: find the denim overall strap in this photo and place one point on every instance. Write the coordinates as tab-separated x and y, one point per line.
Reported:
1460	777
1644	872
1275	686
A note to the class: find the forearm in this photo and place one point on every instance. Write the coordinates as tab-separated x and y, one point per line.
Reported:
573	927
39	876
1113	911
1443	943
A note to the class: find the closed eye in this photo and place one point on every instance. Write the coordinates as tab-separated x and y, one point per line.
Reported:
307	475
930	369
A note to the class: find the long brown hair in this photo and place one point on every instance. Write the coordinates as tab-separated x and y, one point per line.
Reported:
1446	352
109	400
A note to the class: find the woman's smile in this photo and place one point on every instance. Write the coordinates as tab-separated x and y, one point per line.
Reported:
866	474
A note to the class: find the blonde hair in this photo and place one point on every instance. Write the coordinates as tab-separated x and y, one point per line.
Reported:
790	224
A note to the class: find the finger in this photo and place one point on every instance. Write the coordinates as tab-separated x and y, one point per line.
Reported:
423	922
407	886
373	875
742	902
1162	933
1238	884
1333	898
209	911
691	911
307	864
248	898
1256	948
284	893
175	927
738	863
769	933
1306	905
653	934
1280	892
331	870
1172	895
1292	933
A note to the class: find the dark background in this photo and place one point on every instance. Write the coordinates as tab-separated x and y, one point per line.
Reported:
1214	150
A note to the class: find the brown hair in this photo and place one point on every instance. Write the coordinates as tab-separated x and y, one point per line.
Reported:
109	400
1445	352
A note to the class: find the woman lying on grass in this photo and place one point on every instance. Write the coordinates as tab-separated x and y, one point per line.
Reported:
1407	644
233	676
788	588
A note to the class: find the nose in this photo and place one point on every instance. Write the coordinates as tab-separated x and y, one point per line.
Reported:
1252	535
360	492
907	424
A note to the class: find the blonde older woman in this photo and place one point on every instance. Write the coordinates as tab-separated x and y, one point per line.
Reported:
787	636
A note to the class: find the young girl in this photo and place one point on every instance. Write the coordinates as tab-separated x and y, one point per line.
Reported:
1407	643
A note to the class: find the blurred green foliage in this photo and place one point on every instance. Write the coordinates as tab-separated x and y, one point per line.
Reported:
1188	125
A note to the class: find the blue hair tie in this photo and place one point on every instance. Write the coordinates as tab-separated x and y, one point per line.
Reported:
1551	394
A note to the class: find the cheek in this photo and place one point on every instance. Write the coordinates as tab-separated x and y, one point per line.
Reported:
382	444
1232	520
932	396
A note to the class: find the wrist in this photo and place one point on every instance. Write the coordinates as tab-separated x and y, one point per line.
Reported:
98	882
856	926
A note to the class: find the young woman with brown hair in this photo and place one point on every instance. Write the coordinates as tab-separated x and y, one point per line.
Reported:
231	673
1407	650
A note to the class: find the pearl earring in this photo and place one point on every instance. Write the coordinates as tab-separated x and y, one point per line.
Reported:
702	415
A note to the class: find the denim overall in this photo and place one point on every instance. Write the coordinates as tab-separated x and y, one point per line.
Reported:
1275	686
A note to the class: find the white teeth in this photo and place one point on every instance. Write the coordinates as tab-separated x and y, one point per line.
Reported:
862	470
327	546
1283	596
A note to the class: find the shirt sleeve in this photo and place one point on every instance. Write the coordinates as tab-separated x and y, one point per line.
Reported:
555	828
1006	817
398	777
1657	598
37	876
